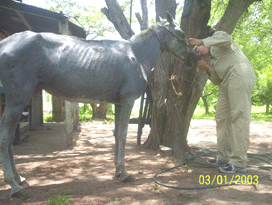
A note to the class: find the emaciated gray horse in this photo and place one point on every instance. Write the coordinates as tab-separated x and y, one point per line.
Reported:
79	70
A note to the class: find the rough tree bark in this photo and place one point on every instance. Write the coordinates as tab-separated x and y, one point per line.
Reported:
144	20
162	6
99	110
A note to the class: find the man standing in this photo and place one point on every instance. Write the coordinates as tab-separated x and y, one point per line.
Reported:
231	70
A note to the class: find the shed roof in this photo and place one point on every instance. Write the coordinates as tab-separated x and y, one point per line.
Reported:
17	17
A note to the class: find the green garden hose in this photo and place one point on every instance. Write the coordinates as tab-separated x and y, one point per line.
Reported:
207	152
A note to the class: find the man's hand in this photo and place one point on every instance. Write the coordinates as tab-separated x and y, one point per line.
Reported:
202	65
195	42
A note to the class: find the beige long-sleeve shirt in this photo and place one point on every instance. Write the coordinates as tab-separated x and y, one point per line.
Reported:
224	54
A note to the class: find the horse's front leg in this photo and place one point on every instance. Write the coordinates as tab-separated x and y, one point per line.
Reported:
116	133
125	111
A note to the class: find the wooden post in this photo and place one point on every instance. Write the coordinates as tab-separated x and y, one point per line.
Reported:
0	104
36	108
64	29
57	109
1	99
76	115
69	123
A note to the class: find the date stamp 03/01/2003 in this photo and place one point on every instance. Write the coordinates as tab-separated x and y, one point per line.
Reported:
224	179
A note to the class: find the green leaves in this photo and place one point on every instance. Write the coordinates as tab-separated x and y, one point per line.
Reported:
89	17
253	34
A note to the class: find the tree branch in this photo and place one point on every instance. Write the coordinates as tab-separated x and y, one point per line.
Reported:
232	14
143	21
115	15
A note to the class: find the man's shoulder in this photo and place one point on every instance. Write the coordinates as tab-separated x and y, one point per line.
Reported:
224	33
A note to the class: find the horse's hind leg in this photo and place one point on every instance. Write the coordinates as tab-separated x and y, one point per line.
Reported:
16	99
19	179
7	129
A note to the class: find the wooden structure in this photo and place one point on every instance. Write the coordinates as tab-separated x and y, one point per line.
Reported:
17	17
144	114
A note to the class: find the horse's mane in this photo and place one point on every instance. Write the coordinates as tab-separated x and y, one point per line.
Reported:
149	31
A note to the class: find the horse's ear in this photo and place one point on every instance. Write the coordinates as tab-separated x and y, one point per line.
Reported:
169	18
161	19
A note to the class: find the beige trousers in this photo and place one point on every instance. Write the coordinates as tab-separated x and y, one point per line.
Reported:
233	115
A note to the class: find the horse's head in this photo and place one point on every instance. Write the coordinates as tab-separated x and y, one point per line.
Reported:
175	41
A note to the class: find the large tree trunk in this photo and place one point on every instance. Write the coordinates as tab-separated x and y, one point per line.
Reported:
181	108
173	88
100	110
162	6
159	83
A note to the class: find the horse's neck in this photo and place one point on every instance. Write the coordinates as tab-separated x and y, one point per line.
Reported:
147	47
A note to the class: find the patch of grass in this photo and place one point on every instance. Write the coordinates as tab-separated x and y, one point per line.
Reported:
48	118
24	195
85	113
261	117
60	199
110	116
85	117
200	114
155	187
188	197
257	114
204	116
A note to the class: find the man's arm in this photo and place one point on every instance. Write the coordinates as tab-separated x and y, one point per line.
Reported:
195	42
219	38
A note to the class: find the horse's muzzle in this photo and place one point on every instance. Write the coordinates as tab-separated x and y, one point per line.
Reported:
191	60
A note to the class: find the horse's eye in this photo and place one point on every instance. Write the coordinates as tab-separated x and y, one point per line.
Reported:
180	33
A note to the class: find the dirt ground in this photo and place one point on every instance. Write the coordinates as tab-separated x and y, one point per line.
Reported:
86	170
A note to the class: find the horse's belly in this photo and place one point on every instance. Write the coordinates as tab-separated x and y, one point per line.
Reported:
81	91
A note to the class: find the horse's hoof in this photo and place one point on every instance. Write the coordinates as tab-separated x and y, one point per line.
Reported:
15	190
24	184
17	194
118	175
129	178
